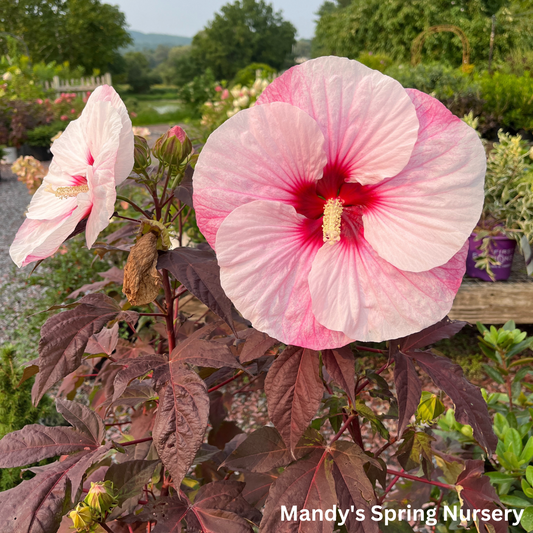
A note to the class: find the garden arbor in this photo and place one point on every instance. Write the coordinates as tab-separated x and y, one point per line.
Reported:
418	43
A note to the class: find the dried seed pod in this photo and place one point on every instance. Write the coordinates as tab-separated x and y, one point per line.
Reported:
141	279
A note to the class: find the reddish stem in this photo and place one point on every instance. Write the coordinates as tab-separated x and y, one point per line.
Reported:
169	318
355	431
216	387
385	446
389	488
118	424
367	381
368	349
343	428
421	479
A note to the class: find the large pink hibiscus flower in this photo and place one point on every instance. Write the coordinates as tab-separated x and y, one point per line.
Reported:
339	206
92	157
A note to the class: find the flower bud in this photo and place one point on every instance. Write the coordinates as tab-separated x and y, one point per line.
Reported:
101	496
82	517
141	151
173	147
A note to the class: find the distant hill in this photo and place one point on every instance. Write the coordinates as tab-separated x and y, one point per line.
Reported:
150	41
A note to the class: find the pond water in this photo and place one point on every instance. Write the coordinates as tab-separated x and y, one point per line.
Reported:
166	108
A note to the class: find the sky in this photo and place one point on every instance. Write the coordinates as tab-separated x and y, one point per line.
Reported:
187	17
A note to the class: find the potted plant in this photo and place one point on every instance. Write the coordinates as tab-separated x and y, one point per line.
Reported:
508	210
39	139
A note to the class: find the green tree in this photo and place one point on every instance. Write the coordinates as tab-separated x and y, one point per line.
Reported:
247	31
180	67
16	409
389	26
85	33
137	72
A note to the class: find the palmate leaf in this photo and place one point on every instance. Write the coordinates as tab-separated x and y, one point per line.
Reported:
294	390
199	272
34	442
37	505
470	407
476	492
326	477
265	450
64	338
218	508
181	420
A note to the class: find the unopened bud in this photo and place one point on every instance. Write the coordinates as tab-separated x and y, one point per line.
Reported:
82	517
173	147
141	151
101	496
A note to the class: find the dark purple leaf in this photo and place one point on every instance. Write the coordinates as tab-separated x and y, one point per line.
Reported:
168	512
38	505
470	407
256	345
353	488
82	418
199	272
308	485
408	389
444	329
340	364
476	492
134	368
258	487
294	390
181	420
64	338
201	352
31	368
265	450
34	443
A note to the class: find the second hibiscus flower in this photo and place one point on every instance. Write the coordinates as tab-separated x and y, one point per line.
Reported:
339	206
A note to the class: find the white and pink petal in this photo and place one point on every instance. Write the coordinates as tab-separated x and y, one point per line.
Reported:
265	252
271	152
355	291
39	239
421	218
367	118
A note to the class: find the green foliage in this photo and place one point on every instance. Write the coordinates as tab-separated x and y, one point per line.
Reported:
247	75
16	409
87	33
137	72
198	91
508	97
509	187
376	61
180	67
390	27
244	32
42	135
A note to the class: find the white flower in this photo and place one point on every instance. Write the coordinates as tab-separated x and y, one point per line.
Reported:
7	76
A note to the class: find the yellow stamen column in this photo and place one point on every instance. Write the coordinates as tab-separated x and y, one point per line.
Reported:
331	223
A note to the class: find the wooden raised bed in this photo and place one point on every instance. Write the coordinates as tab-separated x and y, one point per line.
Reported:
496	303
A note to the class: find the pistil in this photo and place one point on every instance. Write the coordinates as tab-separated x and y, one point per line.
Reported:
331	222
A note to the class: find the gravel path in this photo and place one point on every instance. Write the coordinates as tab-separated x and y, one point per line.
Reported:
14	200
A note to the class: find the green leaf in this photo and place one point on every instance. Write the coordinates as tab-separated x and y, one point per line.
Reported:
509	325
527	519
524	361
500	477
527	452
493	374
430	407
500	425
529	475
528	491
514	501
129	477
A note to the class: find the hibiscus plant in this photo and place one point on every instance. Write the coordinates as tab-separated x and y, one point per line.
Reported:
336	212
